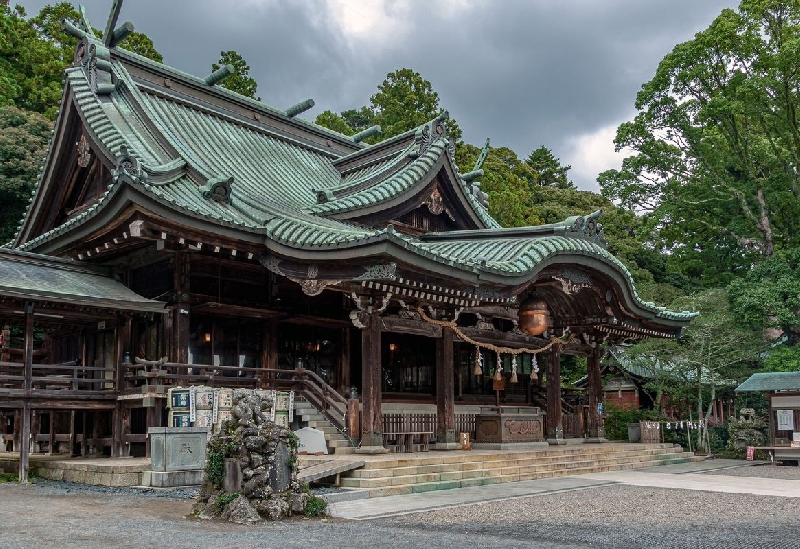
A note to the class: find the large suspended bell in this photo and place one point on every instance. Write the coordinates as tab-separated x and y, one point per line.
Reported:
534	318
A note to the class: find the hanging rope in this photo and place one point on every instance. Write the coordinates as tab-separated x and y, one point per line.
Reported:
499	350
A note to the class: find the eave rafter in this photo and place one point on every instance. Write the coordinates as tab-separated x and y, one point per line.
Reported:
384	277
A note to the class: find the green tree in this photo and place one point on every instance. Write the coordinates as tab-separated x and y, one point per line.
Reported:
714	350
333	121
34	53
23	144
360	119
768	296
506	181
48	25
547	169
30	67
717	142
404	101
240	81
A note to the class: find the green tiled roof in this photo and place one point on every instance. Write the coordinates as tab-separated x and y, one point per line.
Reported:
288	187
771	381
36	277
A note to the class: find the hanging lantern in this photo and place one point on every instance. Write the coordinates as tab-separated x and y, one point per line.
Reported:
533	316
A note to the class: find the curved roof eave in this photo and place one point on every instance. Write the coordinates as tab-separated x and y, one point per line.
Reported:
406	250
118	197
402	185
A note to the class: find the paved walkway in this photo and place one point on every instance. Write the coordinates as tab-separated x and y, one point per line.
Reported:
684	476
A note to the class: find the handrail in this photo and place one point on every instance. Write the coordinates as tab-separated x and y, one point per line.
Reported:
324	398
61	377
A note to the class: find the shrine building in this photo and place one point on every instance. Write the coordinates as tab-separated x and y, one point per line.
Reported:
258	249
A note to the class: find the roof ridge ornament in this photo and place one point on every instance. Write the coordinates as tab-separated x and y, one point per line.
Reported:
428	133
218	189
364	134
218	75
585	227
481	157
92	56
298	108
128	168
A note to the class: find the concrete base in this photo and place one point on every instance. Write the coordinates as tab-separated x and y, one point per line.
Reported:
371	450
170	479
346	494
557	441
446	446
508	445
596	439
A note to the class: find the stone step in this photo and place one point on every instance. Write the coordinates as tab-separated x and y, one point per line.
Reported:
325	427
452	481
312	417
495	460
373	478
497	466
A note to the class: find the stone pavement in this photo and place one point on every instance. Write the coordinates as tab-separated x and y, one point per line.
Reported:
684	476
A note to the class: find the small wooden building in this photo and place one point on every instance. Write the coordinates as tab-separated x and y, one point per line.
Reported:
279	246
86	316
782	389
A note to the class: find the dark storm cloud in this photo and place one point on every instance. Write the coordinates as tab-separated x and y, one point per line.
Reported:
524	73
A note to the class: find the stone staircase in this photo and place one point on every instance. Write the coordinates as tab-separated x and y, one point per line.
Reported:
395	474
310	417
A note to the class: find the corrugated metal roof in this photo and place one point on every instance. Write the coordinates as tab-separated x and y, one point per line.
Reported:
771	381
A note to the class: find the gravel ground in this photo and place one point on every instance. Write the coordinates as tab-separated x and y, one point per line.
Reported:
781	472
78	516
625	517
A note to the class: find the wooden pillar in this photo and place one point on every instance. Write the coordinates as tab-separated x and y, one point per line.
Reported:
52	438
28	349
117	436
25	432
344	363
371	419
596	432
124	335
125	420
84	434
270	357
72	434
36	428
179	350
445	391
555	429
25	442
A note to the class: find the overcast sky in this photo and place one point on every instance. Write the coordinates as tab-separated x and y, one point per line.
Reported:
559	73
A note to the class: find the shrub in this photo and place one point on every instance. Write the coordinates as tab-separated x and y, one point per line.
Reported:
315	506
616	420
223	500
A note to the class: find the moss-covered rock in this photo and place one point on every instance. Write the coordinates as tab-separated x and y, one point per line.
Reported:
251	471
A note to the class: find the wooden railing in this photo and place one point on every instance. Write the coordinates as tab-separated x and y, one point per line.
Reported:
575	424
47	378
465	423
